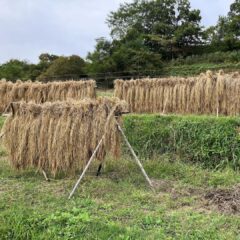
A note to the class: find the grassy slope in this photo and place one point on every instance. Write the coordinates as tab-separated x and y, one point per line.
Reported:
118	205
197	68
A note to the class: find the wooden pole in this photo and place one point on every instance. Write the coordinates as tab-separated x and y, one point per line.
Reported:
86	168
135	157
164	107
93	155
45	176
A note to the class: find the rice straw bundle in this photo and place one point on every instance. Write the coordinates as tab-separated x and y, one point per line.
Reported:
44	92
61	136
205	94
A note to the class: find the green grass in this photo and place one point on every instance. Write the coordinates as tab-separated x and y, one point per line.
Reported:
105	92
1	121
197	68
211	141
118	204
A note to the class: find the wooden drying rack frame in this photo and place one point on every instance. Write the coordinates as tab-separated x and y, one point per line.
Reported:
95	152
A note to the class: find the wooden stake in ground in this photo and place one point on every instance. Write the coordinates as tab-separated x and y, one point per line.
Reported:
135	157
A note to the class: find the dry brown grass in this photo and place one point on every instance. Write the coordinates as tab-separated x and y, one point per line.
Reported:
61	136
44	92
206	94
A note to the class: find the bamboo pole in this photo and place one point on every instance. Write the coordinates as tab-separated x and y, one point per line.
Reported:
136	158
86	168
164	107
93	155
45	176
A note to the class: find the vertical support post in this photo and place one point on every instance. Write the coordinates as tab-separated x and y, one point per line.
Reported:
135	157
86	168
164	107
99	170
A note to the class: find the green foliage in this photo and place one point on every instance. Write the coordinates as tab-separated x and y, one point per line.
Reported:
49	67
212	58
2	119
168	26
64	68
143	47
210	141
149	38
195	69
15	69
227	30
122	58
139	43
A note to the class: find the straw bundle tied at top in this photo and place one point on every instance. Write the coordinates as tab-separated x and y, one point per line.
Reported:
44	92
61	136
205	94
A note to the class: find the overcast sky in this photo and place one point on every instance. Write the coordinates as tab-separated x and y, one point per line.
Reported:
65	27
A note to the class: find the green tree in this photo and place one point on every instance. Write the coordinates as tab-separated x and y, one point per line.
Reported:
47	58
63	68
123	58
15	69
169	27
144	33
227	31
45	61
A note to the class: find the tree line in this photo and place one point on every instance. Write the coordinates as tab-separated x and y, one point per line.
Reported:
145	36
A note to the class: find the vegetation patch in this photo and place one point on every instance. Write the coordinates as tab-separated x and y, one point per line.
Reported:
206	140
118	204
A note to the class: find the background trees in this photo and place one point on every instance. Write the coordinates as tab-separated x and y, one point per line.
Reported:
226	33
15	69
61	68
147	37
145	33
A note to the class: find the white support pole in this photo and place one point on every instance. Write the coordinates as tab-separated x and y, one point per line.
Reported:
135	157
45	176
164	107
86	168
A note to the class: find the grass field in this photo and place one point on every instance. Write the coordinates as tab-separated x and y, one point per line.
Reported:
118	204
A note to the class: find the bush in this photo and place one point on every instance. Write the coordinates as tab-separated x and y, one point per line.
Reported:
213	142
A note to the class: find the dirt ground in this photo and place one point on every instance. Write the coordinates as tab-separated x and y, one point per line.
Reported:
225	200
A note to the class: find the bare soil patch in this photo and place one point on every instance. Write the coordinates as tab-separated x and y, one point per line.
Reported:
225	200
